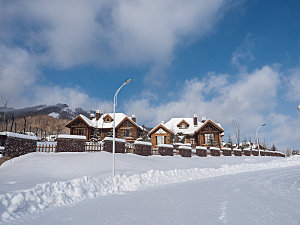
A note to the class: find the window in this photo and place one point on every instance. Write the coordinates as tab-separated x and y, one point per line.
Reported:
160	140
182	126
79	131
209	139
192	141
127	132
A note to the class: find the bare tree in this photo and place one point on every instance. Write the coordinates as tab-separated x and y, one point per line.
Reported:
237	132
5	102
288	152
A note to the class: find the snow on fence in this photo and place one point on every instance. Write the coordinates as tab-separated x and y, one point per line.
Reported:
51	147
130	148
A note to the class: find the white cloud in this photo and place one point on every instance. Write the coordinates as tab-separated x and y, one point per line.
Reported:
216	97
21	85
64	34
243	54
251	100
293	85
107	33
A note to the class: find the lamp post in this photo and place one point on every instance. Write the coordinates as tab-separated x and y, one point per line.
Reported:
114	124
257	135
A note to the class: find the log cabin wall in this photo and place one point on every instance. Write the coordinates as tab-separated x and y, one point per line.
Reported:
159	133
80	128
209	128
128	131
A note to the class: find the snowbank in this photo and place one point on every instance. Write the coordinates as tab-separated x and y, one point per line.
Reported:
116	139
47	195
67	136
143	143
165	146
16	135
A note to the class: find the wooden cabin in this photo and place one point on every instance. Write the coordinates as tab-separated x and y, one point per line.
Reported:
101	125
204	133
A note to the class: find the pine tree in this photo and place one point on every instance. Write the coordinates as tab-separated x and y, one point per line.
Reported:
144	136
273	148
211	141
94	136
229	142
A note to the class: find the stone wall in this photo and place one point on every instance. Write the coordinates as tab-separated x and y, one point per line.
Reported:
201	151
226	151
214	151
254	152
165	150
119	146
247	152
237	152
185	151
17	146
142	149
70	145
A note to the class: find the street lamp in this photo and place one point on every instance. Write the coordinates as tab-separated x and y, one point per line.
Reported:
257	135
298	107
114	124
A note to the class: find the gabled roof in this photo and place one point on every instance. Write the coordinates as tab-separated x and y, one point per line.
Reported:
158	127
119	118
82	118
172	127
183	121
213	123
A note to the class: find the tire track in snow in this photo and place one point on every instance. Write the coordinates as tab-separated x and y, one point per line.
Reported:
47	195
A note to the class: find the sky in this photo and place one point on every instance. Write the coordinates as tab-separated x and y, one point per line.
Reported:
226	60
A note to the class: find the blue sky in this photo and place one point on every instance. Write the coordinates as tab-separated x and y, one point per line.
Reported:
228	60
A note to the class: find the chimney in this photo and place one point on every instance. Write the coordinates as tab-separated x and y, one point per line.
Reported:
195	120
98	114
133	118
92	116
162	122
203	119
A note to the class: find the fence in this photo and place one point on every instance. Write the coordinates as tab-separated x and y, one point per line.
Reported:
51	147
98	147
46	148
93	147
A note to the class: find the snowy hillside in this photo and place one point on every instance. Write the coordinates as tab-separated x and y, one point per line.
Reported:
223	187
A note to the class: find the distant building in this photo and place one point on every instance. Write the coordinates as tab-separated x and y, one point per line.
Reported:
101	126
198	133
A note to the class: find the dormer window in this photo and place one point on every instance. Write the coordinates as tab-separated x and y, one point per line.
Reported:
183	125
107	119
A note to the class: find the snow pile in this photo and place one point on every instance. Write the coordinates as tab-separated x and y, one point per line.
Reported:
143	143
69	136
16	135
47	195
116	139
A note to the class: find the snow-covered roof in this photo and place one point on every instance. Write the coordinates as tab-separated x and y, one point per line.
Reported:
68	136
100	123
143	143
16	135
173	123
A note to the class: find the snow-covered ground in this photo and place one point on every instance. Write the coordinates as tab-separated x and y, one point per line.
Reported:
77	188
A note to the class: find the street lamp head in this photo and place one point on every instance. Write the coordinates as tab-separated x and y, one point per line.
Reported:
298	107
127	81
263	125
